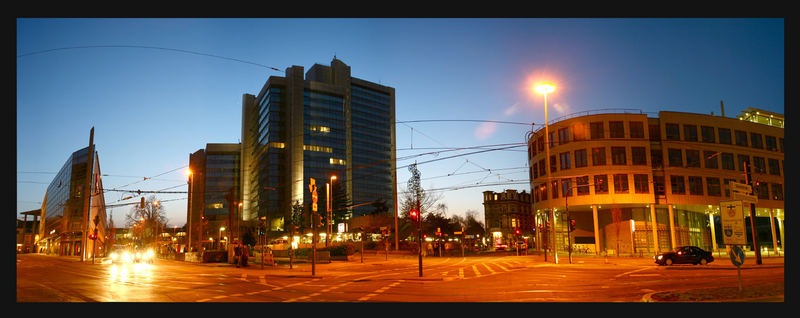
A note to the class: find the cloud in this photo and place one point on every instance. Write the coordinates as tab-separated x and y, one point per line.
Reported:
511	110
561	108
485	130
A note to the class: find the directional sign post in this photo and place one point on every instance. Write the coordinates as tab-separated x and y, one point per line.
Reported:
737	258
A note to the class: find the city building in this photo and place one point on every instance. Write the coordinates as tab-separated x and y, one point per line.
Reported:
63	222
28	232
637	185
214	194
329	126
505	213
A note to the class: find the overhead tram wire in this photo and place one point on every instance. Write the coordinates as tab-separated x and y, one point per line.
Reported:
146	47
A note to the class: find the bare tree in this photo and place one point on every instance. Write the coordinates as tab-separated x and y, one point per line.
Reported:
145	220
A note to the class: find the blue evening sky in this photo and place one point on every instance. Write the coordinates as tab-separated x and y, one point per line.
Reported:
151	107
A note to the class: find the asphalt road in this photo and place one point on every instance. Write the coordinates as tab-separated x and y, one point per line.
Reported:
44	278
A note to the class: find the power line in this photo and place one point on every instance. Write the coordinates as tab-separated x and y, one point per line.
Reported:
144	47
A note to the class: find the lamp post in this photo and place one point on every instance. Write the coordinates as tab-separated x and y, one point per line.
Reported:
544	89
191	189
329	228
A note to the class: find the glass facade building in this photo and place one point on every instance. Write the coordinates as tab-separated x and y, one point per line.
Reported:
215	178
320	124
64	205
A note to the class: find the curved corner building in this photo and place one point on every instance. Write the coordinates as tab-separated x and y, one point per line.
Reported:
638	185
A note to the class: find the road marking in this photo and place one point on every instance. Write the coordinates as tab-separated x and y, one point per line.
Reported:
633	271
221	296
236	295
505	269
487	267
203	300
244	277
477	273
642	275
461	273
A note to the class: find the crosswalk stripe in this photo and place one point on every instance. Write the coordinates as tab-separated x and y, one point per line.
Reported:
501	266
461	272
477	273
487	267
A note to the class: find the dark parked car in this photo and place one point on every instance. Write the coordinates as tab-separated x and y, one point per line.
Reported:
685	255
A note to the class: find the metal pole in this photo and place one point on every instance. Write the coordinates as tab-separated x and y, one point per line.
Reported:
419	236
569	240
547	153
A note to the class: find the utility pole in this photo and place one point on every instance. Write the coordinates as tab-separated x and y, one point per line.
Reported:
87	193
753	232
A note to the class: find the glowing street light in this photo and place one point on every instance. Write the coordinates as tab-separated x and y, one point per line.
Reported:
544	89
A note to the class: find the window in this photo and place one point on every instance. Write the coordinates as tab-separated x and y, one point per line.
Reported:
618	156
711	160
552	138
772	143
540	143
675	157
638	156
777	191
542	168
696	185
600	184
780	142
756	141
566	187
543	191
553	163
673	132
616	129
658	185
580	158
564	160
759	165
555	189
596	130
724	136
563	136
655	132
620	183
583	185
599	156
707	134
535	170
692	158
678	187
774	168
637	129
763	191
656	158
727	184
640	184
727	161
741	138
689	132
742	160
712	186
579	132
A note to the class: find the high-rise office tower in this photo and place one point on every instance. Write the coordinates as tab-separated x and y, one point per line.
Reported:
326	124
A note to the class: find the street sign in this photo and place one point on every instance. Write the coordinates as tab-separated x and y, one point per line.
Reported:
732	218
741	187
749	198
737	255
457	233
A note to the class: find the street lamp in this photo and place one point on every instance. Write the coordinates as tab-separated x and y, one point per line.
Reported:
329	228
544	89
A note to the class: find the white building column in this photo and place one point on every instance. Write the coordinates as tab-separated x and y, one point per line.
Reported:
671	227
780	227
655	227
597	230
713	233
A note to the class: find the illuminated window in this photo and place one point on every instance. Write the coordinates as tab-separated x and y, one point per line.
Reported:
319	128
276	145
317	148
335	161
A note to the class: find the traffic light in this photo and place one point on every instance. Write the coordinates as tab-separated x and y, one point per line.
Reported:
516	231
414	214
571	224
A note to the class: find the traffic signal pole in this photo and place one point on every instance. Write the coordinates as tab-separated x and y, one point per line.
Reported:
753	232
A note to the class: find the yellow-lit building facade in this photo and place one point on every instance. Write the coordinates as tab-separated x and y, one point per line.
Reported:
636	185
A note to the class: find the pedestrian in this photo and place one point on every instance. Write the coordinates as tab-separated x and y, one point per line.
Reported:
244	256
237	254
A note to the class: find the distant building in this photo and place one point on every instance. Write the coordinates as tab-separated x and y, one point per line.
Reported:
326	124
28	232
506	212
64	202
639	184
215	177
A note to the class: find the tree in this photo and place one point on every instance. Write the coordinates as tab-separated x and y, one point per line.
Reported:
379	207
473	226
341	202
297	217
145	220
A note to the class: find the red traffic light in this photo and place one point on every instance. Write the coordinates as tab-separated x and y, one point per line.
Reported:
413	214
516	231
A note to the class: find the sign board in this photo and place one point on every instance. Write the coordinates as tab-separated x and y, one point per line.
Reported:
737	255
749	198
457	233
312	187
732	218
340	227
741	187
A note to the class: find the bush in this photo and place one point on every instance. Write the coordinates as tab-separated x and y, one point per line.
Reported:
345	249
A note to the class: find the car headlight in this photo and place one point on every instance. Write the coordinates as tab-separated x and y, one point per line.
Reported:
138	255
114	256
149	254
126	257
660	257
